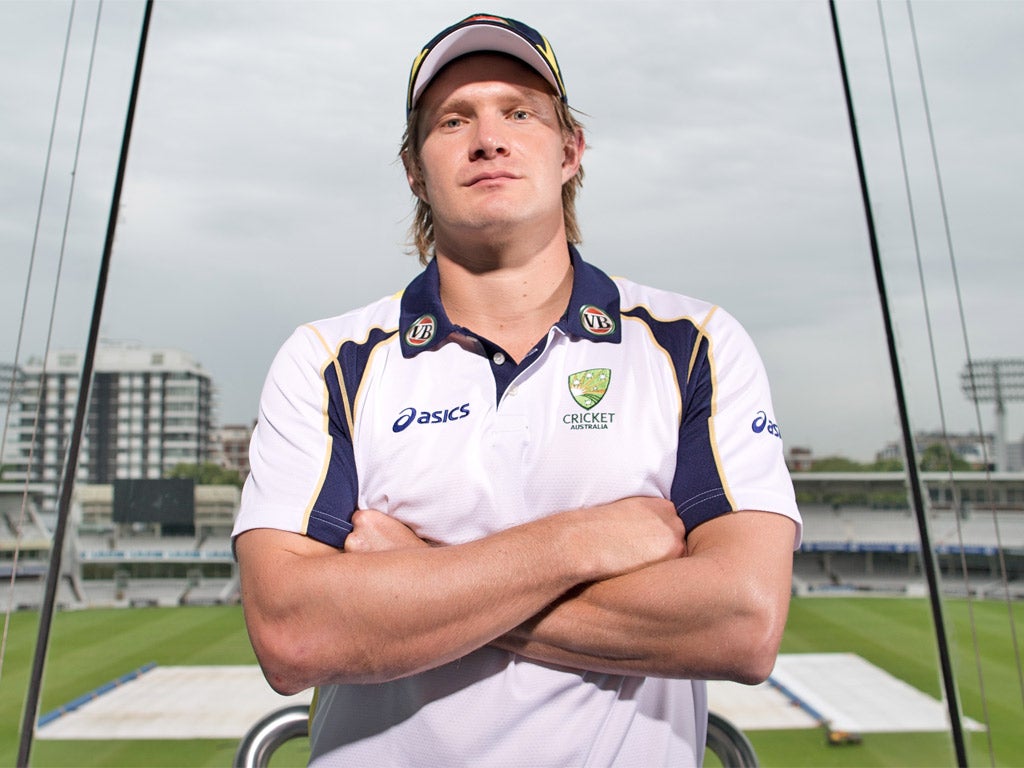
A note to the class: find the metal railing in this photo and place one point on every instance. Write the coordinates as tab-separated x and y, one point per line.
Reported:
725	740
263	739
729	743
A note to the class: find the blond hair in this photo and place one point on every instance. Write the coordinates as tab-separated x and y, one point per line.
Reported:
421	230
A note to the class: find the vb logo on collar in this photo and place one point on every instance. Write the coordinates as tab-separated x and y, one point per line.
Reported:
422	331
596	321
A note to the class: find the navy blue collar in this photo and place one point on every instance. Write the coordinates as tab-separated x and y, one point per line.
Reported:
592	314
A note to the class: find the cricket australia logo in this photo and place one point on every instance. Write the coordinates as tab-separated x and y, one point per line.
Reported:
596	321
422	331
588	388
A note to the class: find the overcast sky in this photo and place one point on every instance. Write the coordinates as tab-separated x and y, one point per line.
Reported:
262	188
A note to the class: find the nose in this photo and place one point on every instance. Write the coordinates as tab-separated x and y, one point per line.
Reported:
490	140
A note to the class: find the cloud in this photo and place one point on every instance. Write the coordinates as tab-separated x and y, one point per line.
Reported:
263	191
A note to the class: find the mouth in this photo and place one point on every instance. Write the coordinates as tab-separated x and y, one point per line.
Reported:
489	177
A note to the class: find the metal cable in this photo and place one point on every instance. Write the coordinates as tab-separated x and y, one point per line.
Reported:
967	350
64	503
933	356
21	331
913	477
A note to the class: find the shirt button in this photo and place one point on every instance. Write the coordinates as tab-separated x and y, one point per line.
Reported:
513	391
498	359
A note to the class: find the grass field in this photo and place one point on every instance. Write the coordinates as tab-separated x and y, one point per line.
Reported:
89	648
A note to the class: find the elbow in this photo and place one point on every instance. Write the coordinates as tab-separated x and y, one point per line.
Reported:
282	681
754	630
757	641
741	650
287	669
756	666
293	661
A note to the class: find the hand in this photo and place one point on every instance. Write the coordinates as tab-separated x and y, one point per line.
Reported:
375	531
630	534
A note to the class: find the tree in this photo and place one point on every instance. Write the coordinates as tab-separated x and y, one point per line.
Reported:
837	464
876	498
887	465
939	458
206	473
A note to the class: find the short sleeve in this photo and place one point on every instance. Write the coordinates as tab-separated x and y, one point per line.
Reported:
730	455
301	432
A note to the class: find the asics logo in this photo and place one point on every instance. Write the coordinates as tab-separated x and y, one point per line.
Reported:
410	415
762	423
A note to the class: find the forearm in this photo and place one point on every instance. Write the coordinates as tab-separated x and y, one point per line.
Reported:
698	616
369	617
319	616
687	634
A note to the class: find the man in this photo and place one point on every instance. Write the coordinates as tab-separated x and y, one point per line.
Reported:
506	517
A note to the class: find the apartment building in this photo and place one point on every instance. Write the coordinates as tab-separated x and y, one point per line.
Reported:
149	410
233	441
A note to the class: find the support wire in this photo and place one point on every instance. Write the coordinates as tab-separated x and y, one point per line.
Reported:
21	334
913	478
64	505
967	350
934	362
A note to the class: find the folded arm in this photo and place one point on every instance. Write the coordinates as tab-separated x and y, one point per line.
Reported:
388	606
716	613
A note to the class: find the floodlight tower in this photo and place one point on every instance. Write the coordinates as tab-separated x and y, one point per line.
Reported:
999	382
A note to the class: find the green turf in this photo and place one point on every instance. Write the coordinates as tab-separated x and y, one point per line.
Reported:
897	635
89	648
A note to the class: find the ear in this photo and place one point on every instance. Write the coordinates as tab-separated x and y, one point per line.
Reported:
574	147
414	175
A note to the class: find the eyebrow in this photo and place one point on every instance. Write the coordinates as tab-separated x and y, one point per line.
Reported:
525	96
453	105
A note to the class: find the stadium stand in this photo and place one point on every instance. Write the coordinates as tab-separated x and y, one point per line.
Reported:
859	536
859	548
120	564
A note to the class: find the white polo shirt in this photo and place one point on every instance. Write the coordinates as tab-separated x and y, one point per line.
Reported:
635	392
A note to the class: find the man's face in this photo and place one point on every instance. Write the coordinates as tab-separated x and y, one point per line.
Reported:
492	154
